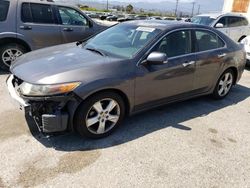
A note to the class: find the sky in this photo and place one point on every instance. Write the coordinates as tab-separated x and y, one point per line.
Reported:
185	5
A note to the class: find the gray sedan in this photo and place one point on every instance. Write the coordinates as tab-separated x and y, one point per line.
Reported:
134	66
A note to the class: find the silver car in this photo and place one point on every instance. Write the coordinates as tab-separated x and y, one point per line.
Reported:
27	25
233	25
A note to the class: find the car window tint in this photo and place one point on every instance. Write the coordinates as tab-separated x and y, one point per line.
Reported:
70	16
41	13
223	21
26	13
207	41
4	8
244	21
175	44
234	21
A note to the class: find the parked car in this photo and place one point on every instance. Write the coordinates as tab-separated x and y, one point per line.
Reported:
93	15
114	17
169	18
27	25
234	25
246	42
141	17
91	87
104	16
129	17
155	18
187	20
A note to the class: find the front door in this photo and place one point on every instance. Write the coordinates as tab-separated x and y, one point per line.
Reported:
74	25
155	83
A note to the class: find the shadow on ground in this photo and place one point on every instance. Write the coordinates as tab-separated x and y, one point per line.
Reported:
148	122
3	72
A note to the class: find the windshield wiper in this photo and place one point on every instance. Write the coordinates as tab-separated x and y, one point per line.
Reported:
96	50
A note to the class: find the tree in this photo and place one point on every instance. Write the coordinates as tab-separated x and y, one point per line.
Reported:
129	8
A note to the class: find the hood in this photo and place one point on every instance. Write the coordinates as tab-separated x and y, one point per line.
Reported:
60	64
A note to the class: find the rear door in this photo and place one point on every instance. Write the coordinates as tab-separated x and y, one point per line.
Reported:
211	53
238	27
37	24
74	25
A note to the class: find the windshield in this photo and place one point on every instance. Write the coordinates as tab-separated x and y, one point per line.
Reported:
203	20
123	40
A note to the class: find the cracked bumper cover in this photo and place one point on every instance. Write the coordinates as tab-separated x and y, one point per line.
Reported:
51	114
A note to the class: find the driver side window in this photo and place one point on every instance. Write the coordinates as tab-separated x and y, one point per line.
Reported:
175	44
70	16
223	21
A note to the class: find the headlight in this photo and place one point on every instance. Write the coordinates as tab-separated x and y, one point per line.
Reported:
245	42
46	90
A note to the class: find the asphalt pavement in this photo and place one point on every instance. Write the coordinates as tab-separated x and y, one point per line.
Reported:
197	143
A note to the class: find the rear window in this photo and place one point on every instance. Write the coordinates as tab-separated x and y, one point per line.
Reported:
37	13
244	21
207	41
4	8
202	20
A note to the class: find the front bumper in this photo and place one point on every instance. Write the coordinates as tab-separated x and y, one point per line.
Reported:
13	93
51	114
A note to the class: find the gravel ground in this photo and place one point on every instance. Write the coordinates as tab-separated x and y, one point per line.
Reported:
197	143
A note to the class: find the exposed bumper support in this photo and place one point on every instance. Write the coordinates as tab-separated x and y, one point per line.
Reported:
49	113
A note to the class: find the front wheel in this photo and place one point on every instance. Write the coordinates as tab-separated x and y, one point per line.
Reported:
224	85
9	53
100	115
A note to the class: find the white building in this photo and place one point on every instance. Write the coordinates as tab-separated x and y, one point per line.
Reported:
238	6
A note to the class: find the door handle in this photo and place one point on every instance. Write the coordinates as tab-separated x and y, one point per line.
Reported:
222	55
25	27
68	29
188	63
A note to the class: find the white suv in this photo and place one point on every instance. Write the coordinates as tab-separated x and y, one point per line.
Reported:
233	25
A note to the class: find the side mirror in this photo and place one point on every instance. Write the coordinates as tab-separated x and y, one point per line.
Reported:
219	25
157	58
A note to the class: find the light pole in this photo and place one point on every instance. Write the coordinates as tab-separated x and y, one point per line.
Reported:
199	7
107	5
193	9
176	8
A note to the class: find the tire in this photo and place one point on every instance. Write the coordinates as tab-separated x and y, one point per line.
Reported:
16	51
99	115
224	84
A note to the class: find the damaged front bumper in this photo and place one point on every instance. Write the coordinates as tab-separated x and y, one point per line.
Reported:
51	114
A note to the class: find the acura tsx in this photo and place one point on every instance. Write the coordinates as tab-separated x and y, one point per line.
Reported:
90	86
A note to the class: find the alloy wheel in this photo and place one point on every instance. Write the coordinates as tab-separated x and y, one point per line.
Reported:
225	84
10	55
103	116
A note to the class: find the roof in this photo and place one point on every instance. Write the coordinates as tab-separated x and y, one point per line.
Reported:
164	24
216	15
51	2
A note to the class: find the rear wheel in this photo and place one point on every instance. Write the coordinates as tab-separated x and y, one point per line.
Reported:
9	53
224	84
100	115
